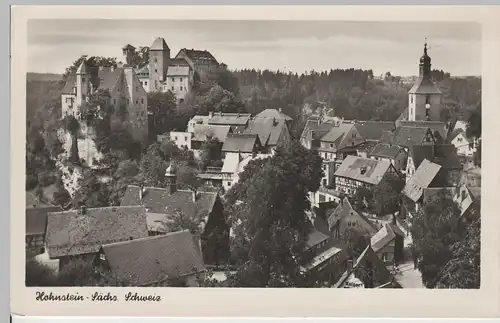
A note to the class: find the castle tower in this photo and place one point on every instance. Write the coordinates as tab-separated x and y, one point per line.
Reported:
424	97
128	53
82	83
171	177
159	60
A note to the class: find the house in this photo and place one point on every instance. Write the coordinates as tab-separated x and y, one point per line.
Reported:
79	234
314	130
345	218
201	61
128	97
237	121
465	146
322	259
36	225
170	209
426	176
173	259
201	133
367	271
272	132
357	172
341	140
234	164
244	144
179	81
396	155
388	243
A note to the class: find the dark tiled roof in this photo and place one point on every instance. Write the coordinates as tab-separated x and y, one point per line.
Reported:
423	177
154	259
128	46
70	84
337	133
273	113
352	167
372	130
424	86
74	233
386	137
159	44
437	127
36	219
384	236
160	201
268	129
178	61
314	238
342	210
420	152
199	54
109	78
202	131
446	156
386	151
409	136
243	143
315	126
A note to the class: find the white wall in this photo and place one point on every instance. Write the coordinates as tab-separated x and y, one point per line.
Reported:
178	84
181	139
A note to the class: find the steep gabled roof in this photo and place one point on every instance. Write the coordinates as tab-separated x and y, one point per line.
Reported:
69	87
424	86
153	260
231	119
384	236
161	201
373	130
409	136
196	54
159	44
420	152
109	78
243	143
345	209
437	127
385	151
178	71
268	129
423	177
202	131
73	233
374	170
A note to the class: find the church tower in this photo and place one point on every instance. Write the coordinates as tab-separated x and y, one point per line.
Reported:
82	83
171	177
424	97
159	60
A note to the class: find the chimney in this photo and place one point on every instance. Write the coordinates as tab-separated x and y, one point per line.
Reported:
275	122
394	218
194	195
142	190
350	263
279	110
362	170
83	210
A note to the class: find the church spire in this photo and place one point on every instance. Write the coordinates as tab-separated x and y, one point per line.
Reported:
425	64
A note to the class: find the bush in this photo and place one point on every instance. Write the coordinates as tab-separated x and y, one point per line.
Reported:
38	274
31	182
46	179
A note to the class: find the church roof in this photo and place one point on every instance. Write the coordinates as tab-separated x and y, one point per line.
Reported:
159	44
424	86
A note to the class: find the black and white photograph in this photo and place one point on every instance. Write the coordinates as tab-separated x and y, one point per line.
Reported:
253	153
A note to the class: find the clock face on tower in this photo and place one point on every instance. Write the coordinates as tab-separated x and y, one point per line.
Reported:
427	106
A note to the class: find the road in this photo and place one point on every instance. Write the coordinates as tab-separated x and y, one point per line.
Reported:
408	276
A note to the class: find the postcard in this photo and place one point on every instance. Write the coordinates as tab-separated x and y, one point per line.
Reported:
316	161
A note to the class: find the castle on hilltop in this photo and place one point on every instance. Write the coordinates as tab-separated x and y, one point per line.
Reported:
178	74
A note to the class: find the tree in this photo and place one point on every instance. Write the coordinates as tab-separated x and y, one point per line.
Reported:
152	167
210	151
126	174
61	196
434	229
273	219
387	195
477	155
39	275
474	124
228	82
162	108
220	100
464	269
92	191
363	199
187	177
169	149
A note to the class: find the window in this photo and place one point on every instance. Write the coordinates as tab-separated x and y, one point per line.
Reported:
102	256
172	88
324	182
114	101
173	79
156	60
331	145
142	101
228	183
175	138
459	139
145	83
128	101
181	79
156	71
185	138
181	87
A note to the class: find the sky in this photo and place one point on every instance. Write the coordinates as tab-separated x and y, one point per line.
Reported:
295	46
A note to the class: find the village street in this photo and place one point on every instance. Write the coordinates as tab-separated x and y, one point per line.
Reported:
409	277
